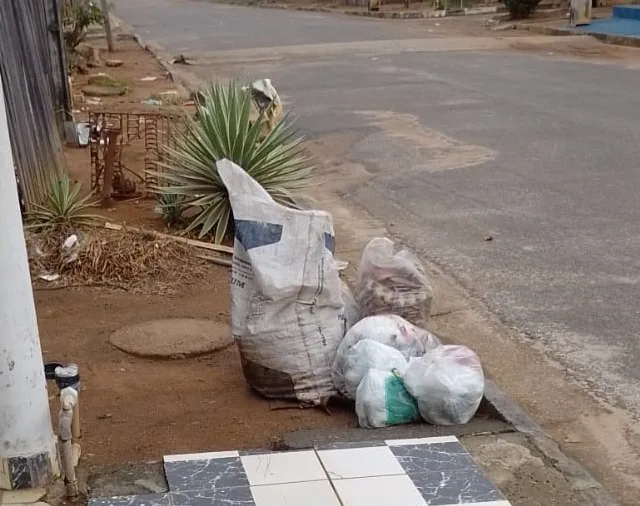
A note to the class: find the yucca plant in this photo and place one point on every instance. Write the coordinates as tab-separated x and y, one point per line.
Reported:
64	205
224	129
170	207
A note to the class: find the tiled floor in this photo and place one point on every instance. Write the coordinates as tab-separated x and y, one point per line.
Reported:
418	472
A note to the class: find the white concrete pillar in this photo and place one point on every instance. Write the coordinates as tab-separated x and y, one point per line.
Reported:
28	457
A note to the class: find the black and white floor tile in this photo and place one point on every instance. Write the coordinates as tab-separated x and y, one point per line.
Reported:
418	472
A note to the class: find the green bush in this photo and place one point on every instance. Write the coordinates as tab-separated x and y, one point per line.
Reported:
521	9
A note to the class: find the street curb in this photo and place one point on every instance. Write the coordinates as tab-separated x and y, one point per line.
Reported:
617	40
471	11
184	80
496	400
582	480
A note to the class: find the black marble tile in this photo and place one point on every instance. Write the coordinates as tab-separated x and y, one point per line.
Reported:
234	496
455	487
349	446
132	500
433	457
206	474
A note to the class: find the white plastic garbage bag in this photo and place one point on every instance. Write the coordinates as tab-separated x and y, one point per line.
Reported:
368	354
391	330
383	400
286	298
448	384
393	283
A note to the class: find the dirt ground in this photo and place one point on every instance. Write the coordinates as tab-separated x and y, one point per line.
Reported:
135	409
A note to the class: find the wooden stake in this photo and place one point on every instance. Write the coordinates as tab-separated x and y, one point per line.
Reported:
109	167
185	240
107	24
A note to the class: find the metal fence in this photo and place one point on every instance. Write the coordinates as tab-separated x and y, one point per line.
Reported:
36	89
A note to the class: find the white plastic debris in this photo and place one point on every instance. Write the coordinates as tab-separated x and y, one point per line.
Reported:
70	249
286	298
49	277
70	242
393	283
391	330
267	105
382	400
369	354
448	384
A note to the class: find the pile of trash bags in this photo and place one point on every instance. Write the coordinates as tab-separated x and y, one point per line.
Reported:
399	373
303	336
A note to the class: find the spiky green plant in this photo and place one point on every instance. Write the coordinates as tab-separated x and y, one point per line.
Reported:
64	205
224	129
170	207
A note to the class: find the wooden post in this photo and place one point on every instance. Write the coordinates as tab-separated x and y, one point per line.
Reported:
107	24
109	167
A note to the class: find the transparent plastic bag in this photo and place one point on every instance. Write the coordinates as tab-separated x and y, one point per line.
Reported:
351	313
448	384
391	330
393	283
369	354
382	400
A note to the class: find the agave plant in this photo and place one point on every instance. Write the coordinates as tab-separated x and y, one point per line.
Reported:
64	205
224	129
170	207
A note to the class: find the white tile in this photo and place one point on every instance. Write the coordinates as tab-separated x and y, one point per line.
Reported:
306	493
288	467
422	441
379	491
201	456
360	462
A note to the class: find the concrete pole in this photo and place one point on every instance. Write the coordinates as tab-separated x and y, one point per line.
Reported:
28	457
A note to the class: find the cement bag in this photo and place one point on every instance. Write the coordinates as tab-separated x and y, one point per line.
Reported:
368	354
393	283
351	313
286	298
448	384
383	400
391	330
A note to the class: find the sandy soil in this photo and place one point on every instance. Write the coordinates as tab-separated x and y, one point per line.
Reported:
137	409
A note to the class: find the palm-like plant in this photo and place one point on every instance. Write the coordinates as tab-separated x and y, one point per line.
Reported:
224	129
64	205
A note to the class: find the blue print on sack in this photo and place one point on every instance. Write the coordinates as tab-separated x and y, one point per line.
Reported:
330	243
253	234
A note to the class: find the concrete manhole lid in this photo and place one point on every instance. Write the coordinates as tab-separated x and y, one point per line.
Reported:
174	338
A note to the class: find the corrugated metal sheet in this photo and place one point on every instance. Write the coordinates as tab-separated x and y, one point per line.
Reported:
34	76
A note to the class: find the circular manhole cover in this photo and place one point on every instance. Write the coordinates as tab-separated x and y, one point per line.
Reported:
171	339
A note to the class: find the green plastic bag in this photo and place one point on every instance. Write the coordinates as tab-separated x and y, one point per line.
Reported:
382	400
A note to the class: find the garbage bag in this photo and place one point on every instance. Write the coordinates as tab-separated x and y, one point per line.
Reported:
351	311
391	330
383	400
368	354
448	384
391	283
286	302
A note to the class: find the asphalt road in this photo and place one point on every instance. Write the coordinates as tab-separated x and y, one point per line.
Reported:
538	152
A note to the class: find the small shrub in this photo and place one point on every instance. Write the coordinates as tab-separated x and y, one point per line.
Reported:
63	206
521	9
76	19
170	207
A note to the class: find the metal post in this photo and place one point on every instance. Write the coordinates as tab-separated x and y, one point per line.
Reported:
28	457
